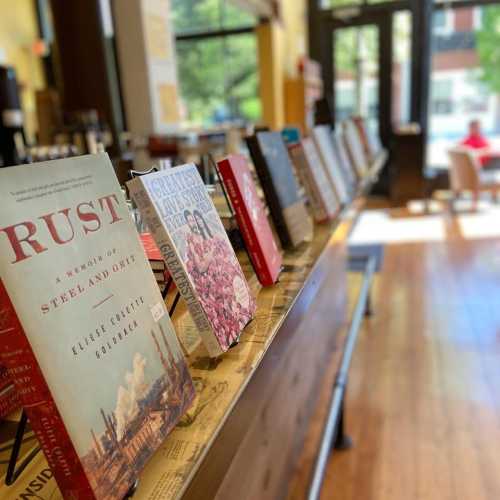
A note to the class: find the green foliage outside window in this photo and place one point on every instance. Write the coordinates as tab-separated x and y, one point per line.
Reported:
218	75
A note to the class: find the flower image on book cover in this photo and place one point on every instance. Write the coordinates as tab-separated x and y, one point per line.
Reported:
93	317
198	253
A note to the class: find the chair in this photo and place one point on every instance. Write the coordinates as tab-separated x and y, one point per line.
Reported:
466	175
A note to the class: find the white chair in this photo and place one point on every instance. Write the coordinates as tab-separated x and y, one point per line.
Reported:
466	175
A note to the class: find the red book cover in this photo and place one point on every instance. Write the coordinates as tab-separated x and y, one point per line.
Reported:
152	251
9	401
251	217
86	340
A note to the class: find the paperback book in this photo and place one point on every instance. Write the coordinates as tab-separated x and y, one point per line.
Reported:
189	233
252	220
275	171
321	135
86	340
324	203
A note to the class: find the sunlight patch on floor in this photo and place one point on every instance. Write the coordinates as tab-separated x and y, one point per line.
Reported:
377	226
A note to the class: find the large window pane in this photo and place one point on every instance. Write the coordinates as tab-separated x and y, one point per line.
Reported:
356	74
208	15
465	81
401	68
219	79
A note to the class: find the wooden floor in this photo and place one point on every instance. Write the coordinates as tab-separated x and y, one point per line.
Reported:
423	405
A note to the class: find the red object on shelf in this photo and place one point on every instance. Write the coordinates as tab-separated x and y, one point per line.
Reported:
251	217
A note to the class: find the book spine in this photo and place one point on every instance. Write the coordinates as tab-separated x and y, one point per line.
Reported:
18	357
246	226
269	190
174	264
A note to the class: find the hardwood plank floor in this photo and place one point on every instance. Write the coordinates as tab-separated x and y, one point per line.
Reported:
423	402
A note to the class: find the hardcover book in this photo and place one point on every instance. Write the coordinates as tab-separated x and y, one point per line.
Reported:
322	139
252	220
274	168
354	148
86	340
322	197
189	233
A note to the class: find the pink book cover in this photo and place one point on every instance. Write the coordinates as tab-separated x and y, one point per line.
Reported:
252	219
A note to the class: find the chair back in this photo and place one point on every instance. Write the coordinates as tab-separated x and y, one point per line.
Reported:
464	170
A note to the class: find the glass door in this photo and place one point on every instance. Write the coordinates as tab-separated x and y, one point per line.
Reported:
356	74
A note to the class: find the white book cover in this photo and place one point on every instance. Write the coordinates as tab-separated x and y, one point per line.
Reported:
93	316
323	141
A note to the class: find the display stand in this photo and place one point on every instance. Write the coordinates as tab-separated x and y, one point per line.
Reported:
14	472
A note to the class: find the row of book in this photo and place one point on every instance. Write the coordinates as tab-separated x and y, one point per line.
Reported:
87	341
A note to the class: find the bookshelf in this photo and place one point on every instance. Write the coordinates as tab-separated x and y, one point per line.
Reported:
244	434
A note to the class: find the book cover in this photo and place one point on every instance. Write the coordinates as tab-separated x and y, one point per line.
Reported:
252	220
354	148
343	159
9	400
86	340
189	233
322	139
324	201
274	168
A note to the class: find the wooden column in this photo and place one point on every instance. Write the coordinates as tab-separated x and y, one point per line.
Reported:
272	80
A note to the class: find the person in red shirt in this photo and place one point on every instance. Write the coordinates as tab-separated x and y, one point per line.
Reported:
475	140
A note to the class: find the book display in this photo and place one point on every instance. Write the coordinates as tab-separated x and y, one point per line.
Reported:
87	340
188	231
275	171
323	141
252	219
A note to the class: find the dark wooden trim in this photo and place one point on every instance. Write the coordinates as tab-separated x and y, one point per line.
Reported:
201	35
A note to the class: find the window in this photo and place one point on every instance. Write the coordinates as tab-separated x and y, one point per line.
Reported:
217	62
441	100
442	21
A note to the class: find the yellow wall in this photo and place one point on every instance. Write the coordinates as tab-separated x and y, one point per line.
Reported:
281	43
18	32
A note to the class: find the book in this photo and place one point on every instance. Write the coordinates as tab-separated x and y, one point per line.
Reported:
87	339
155	258
274	169
324	202
321	135
354	148
9	400
370	142
343	159
252	220
189	233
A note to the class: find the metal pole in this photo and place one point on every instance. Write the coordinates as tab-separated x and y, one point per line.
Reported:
340	383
